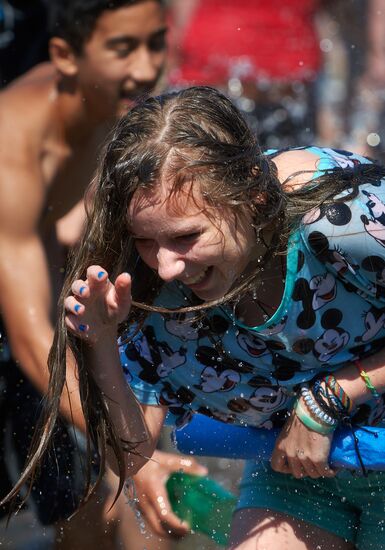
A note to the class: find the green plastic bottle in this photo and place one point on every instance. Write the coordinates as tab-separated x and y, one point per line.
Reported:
203	503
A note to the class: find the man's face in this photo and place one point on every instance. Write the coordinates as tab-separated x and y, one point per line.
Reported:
123	58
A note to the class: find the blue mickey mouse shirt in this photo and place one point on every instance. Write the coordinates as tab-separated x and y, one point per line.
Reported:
332	312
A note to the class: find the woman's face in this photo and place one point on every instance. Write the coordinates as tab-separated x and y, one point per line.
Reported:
182	239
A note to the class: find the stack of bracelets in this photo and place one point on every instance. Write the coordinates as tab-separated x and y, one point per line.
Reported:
327	405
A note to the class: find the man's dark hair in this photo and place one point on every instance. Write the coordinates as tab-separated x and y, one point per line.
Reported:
75	20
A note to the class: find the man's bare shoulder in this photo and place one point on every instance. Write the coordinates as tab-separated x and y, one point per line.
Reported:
26	118
27	106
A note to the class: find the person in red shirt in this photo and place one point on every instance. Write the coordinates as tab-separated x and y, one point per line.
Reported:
264	55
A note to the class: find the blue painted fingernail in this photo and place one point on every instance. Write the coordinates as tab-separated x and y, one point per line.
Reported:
83	328
100	274
77	307
82	289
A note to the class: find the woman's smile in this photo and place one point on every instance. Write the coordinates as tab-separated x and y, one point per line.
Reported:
198	280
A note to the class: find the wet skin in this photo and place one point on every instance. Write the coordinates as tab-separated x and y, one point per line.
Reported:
123	58
205	252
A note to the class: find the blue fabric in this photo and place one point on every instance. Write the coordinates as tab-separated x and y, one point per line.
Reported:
352	508
207	437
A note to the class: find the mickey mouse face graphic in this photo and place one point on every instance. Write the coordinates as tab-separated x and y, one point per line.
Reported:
170	360
333	256
186	327
374	321
213	380
254	346
375	226
182	326
267	399
324	290
376	207
343	158
334	339
330	343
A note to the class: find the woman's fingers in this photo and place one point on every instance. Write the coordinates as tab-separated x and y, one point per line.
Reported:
301	466
97	277
96	303
323	469
72	305
120	299
80	288
123	287
279	462
163	521
162	518
76	325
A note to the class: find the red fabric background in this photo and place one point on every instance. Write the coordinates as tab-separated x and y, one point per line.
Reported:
277	37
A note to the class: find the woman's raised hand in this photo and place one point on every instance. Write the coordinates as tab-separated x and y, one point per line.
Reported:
97	305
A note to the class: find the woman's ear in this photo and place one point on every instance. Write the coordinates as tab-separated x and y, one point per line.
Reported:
63	57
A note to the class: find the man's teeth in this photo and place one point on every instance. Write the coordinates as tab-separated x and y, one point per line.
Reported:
197	278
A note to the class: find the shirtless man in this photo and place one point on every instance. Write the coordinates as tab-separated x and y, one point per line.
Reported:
104	55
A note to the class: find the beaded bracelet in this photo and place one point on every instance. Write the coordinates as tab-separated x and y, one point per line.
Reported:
317	411
309	422
368	383
331	382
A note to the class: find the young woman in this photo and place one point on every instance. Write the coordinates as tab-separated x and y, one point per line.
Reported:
256	295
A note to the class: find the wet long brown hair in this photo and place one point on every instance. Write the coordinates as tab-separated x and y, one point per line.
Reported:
195	136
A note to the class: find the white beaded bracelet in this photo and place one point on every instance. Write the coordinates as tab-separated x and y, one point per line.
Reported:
315	409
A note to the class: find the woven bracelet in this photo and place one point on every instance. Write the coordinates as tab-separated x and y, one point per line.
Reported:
331	382
368	383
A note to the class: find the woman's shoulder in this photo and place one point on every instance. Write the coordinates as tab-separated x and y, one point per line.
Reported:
298	166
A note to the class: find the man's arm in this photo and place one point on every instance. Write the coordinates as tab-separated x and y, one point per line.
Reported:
25	287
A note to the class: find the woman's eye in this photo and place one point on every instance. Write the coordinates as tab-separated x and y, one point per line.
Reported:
188	238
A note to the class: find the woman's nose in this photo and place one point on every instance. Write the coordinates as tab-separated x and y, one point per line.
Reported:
170	265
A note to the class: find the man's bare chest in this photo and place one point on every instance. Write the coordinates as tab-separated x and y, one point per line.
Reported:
66	175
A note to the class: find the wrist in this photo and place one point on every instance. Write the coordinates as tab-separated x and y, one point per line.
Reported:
108	335
308	420
104	360
316	408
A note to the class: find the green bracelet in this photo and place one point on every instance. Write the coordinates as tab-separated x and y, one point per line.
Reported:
309	422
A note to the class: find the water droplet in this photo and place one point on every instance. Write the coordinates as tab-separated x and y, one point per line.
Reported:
373	139
326	45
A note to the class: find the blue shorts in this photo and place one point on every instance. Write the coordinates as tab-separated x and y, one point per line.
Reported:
351	507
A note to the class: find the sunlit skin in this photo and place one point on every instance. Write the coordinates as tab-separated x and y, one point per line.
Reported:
184	240
123	58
